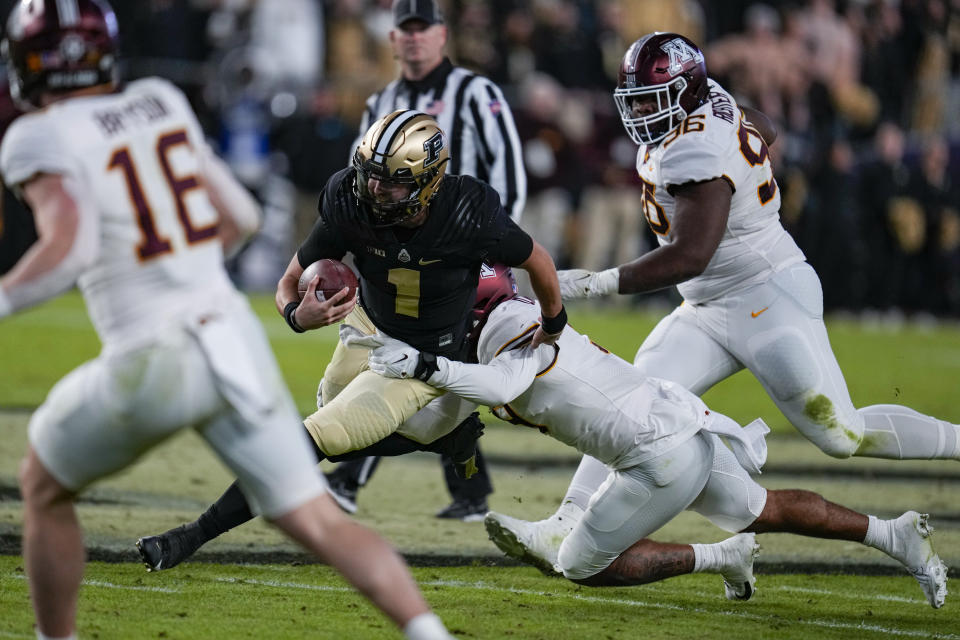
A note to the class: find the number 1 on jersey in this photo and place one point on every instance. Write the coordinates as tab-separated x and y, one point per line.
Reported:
407	282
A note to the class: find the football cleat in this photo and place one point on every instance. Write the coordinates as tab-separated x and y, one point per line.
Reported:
912	546
736	557
465	510
534	543
343	491
169	549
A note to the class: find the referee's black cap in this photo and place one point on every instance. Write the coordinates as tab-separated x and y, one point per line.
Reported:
426	10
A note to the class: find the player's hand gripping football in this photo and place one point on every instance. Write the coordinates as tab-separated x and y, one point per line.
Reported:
313	314
581	283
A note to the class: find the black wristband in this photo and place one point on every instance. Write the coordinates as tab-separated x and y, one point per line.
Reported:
288	312
426	367
555	325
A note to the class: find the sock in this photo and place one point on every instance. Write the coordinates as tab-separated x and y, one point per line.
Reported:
230	510
41	636
589	476
706	558
426	626
879	534
900	433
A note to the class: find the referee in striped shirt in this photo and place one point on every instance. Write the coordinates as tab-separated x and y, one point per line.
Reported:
483	143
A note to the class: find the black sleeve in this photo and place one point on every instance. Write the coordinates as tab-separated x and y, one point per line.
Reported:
514	247
325	240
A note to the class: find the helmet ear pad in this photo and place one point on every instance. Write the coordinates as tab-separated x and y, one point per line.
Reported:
404	147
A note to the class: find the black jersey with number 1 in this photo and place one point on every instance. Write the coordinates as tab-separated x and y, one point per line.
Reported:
419	285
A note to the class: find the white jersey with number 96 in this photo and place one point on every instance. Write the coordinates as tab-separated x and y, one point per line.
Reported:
716	142
132	162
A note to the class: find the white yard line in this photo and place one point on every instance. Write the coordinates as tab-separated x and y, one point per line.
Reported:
110	585
659	605
481	586
840	594
287	585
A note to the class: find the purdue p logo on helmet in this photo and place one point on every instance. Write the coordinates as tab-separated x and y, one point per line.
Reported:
405	147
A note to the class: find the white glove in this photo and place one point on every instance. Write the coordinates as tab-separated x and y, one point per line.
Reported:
581	283
354	338
394	359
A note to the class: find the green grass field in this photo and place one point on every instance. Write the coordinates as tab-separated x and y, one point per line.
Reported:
252	583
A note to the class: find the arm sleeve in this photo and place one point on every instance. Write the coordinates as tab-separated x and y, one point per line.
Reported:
503	379
499	145
510	366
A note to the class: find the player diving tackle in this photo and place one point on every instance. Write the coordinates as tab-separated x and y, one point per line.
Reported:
663	448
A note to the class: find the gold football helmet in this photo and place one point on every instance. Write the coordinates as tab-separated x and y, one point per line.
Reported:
404	148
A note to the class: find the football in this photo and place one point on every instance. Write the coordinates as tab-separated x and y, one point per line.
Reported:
334	276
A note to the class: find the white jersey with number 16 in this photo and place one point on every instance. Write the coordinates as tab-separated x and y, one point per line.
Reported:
132	161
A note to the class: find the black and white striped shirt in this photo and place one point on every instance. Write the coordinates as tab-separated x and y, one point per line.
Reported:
473	113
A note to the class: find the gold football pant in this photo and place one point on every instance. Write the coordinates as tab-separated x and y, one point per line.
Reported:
359	406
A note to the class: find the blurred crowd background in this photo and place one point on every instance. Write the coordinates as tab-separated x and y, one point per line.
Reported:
866	94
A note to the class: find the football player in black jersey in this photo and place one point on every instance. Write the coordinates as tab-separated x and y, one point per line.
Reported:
419	238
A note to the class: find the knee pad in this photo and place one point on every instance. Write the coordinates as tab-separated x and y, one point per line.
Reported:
839	436
731	499
368	410
571	560
340	427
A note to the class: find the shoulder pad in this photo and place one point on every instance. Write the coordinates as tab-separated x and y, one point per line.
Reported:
471	204
696	156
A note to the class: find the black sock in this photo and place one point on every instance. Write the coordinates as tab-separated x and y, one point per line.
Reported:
230	510
393	445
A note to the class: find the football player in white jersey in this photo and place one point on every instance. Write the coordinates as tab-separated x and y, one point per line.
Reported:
132	206
660	445
750	298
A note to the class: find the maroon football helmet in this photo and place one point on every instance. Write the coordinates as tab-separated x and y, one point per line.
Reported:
59	45
664	75
496	284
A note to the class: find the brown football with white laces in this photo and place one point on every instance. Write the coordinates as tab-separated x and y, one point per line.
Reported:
334	276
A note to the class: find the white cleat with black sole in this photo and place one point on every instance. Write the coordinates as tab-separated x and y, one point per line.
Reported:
534	543
738	553
913	547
